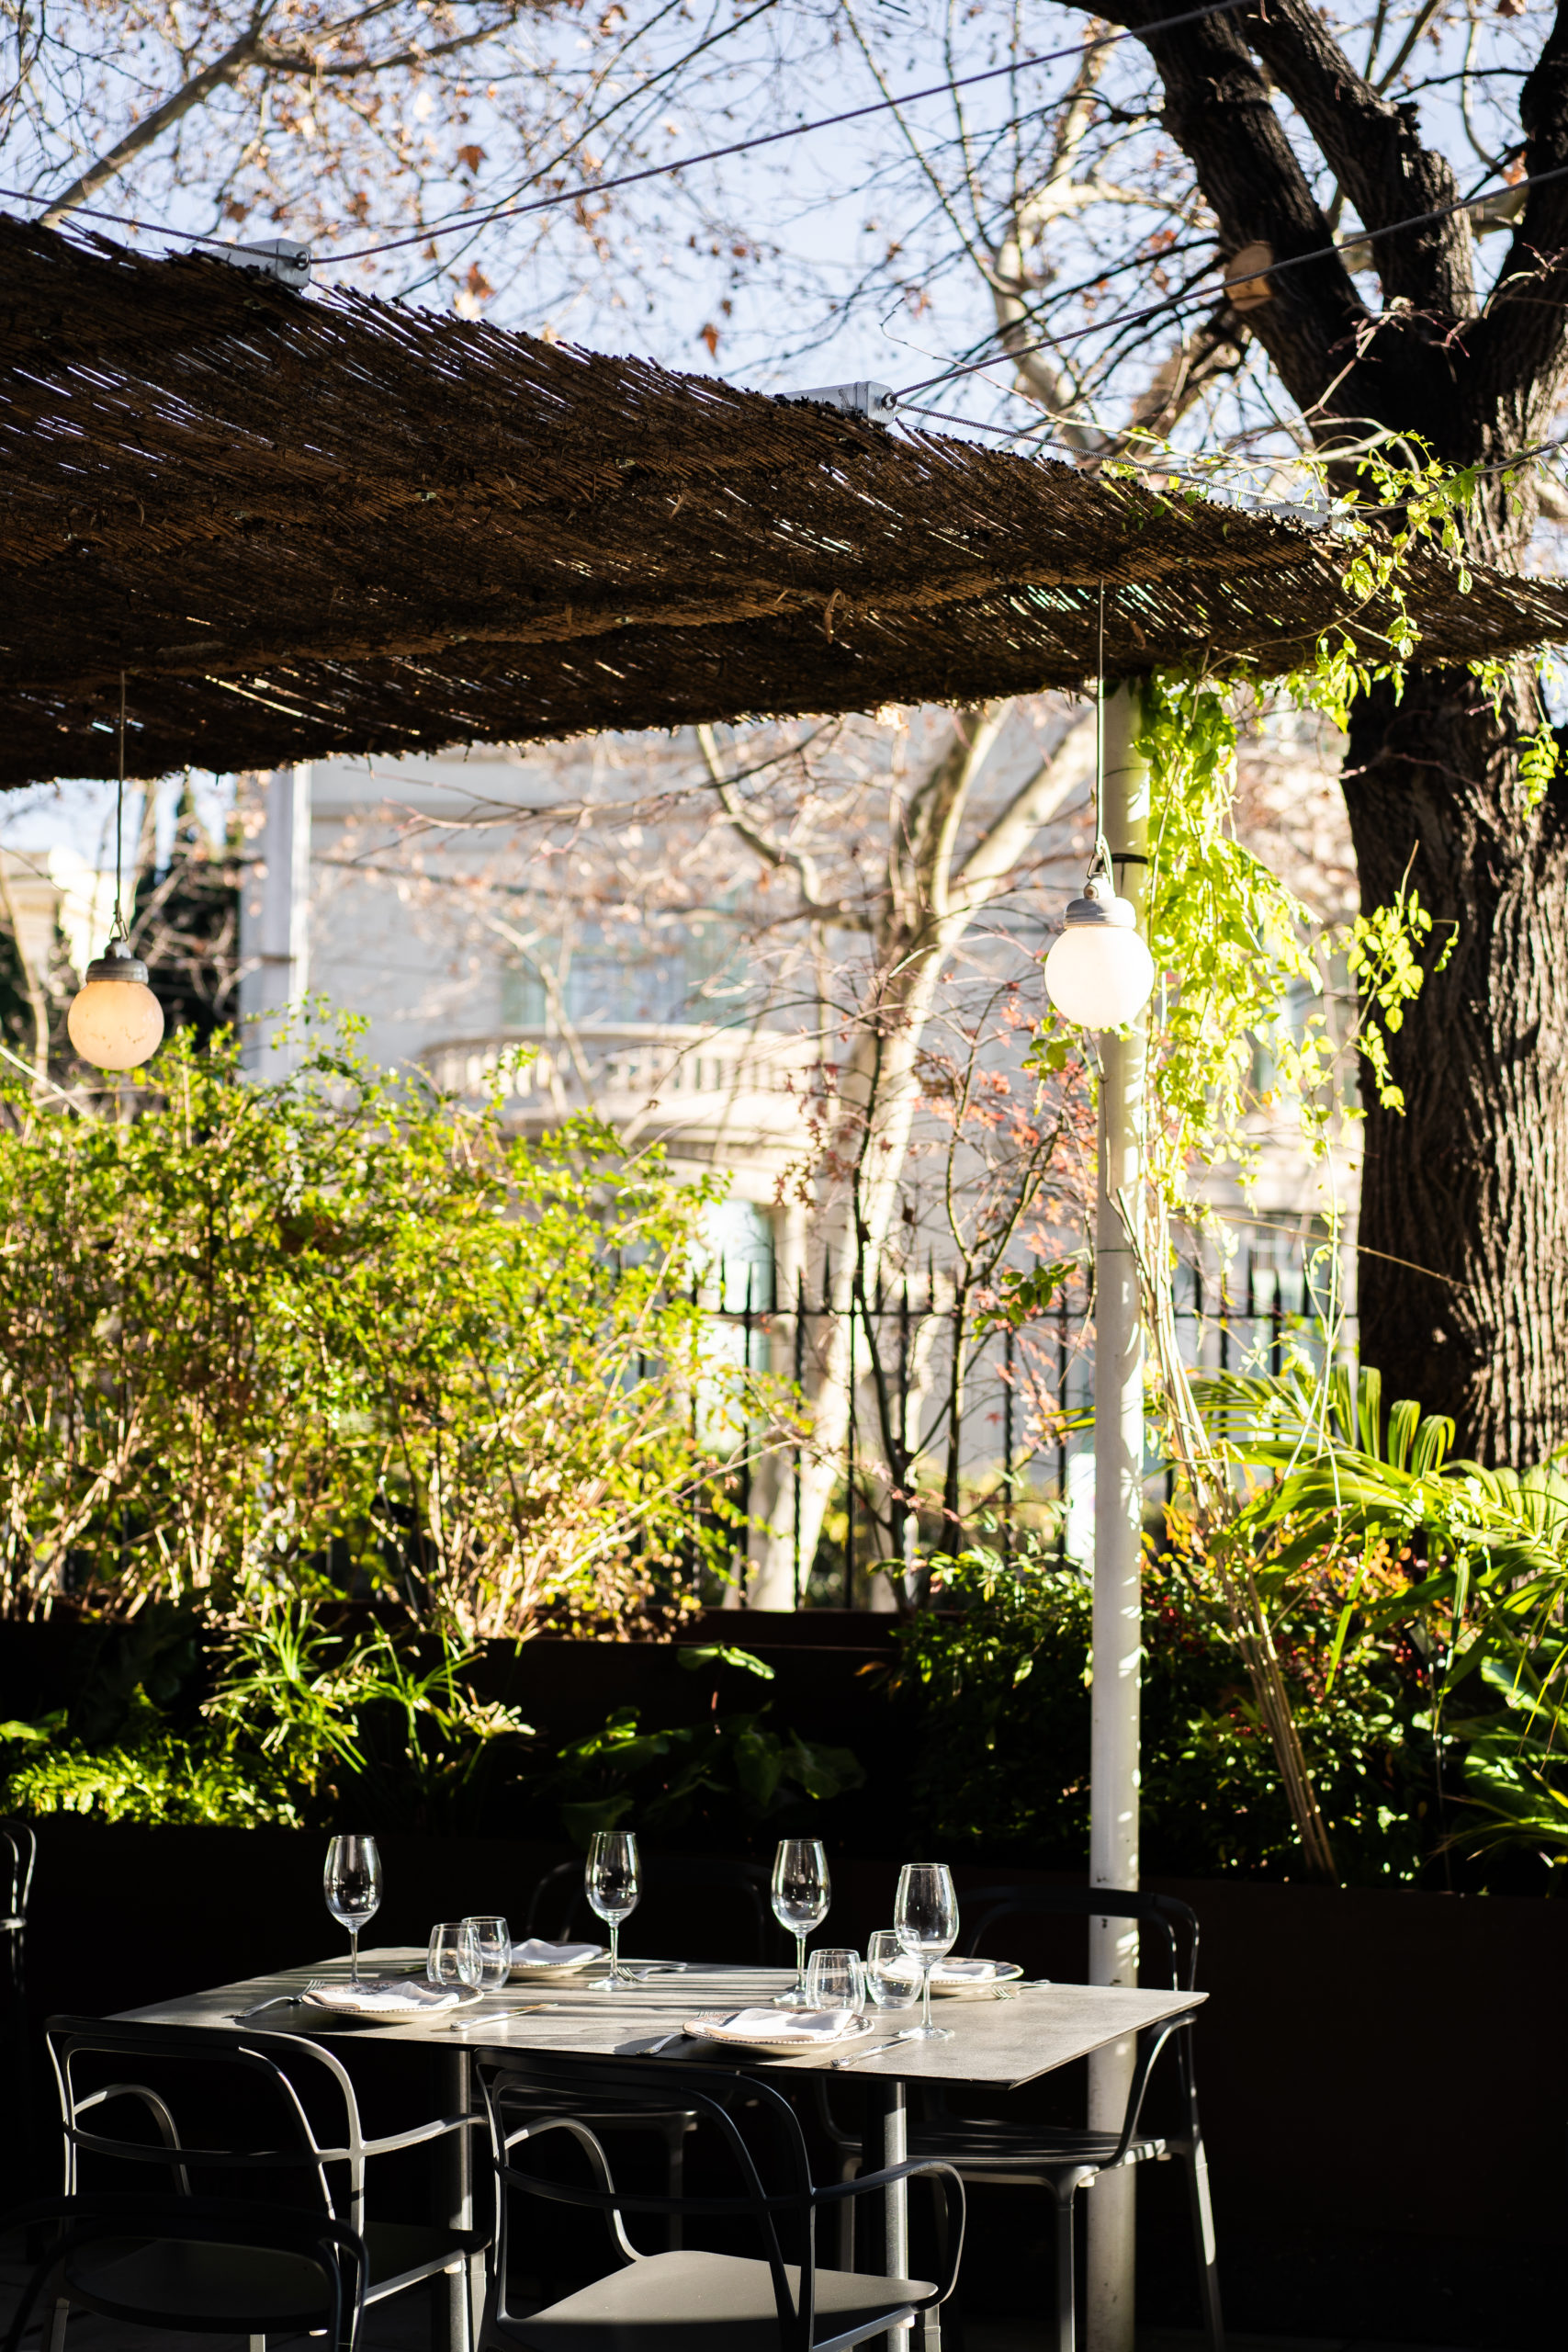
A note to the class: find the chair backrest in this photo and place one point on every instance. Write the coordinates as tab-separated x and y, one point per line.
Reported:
1173	1943
131	2093
18	1853
531	2095
559	1902
311	2273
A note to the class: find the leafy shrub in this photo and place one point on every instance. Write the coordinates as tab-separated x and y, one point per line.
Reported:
1003	1679
339	1332
309	1725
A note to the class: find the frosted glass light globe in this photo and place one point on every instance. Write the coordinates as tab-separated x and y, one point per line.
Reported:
115	1020
1100	973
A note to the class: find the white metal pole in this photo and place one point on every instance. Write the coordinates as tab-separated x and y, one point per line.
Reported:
1118	1551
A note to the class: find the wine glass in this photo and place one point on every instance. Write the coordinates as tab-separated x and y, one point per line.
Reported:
802	1891
925	1917
892	1978
836	1980
453	1955
352	1885
494	1940
614	1883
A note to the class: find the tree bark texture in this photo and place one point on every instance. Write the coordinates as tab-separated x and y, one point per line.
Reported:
1464	1211
1463	1273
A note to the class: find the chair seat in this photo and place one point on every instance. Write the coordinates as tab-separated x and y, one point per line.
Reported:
976	2145
720	2301
237	2290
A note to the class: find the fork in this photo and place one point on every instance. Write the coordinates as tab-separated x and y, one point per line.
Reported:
853	2057
278	2001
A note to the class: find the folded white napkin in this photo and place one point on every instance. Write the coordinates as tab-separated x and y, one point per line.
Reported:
964	1972
780	2025
384	1997
537	1953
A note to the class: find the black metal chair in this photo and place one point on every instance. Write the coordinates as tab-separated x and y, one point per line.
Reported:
191	2266
18	1855
695	2300
1061	2161
559	1902
293	2086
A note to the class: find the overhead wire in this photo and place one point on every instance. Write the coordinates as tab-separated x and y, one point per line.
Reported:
464	222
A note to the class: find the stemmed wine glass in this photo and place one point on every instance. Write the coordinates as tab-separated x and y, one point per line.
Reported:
614	1883
352	1885
925	1919
802	1892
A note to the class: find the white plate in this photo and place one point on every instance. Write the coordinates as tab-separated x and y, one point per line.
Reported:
468	1997
791	2047
557	1972
974	1988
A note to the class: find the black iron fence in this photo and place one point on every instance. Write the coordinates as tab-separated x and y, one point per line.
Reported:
961	1428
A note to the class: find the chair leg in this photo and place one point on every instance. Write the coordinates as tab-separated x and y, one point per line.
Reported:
1197	2163
258	2344
675	2175
1067	2298
57	2326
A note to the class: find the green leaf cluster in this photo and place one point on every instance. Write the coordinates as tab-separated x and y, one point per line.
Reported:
661	1779
340	1333
1228	938
1465	1568
1002	1677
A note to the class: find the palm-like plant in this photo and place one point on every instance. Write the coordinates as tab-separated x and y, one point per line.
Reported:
1487	1552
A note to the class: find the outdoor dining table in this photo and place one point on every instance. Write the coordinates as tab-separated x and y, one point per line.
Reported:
1003	2040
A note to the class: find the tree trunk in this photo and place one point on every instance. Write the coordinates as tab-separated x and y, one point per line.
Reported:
1463	1259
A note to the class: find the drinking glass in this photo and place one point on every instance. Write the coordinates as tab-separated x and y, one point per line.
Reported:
892	1978
352	1885
836	1980
802	1891
614	1883
453	1955
494	1940
926	1918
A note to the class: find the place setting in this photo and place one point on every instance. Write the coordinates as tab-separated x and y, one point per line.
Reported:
842	2007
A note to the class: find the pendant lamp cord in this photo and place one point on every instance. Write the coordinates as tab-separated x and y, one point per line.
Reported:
117	927
1100	862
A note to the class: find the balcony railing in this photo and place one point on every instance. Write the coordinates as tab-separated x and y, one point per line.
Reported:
747	1081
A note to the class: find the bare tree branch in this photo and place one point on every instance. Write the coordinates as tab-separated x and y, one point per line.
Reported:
226	67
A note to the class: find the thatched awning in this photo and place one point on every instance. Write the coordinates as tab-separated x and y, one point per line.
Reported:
307	527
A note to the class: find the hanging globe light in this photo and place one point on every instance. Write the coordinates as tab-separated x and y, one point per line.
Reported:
1100	973
115	1020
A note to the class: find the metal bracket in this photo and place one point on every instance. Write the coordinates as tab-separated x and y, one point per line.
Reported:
281	257
875	400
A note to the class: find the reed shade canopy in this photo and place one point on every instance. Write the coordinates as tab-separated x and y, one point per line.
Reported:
305	525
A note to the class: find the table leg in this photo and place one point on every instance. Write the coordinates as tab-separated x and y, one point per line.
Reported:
454	2325
890	2117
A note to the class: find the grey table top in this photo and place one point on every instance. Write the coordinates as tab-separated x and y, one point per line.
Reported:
1007	2041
